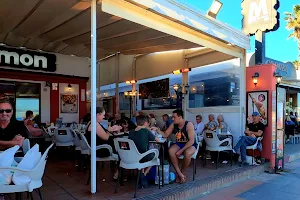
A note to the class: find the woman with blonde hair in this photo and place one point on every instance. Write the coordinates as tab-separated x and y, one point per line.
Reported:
222	125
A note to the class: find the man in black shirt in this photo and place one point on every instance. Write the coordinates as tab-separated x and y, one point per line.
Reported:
253	131
12	132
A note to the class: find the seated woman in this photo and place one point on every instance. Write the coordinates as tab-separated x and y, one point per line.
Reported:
36	132
222	125
152	120
103	136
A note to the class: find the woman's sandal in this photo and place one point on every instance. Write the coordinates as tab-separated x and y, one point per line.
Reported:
115	178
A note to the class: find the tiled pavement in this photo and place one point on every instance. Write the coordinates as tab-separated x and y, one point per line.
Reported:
284	186
292	152
62	181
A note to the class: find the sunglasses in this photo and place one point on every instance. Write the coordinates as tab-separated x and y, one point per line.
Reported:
6	111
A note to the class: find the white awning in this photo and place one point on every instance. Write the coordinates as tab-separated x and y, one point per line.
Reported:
63	26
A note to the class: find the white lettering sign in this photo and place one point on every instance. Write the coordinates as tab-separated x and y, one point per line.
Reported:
279	66
258	11
25	59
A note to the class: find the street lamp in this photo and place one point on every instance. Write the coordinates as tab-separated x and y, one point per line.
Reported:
130	96
278	78
215	8
255	78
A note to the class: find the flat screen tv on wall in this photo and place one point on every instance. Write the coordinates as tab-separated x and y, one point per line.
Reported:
155	89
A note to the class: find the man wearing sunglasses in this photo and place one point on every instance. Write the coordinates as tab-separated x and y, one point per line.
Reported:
12	132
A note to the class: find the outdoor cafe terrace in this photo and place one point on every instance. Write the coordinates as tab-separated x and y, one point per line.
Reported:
63	180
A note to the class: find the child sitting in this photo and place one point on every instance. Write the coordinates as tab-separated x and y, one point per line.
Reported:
141	137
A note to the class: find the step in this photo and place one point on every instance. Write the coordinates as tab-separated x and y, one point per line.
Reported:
206	185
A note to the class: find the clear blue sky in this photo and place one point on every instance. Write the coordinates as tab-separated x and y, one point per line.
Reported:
277	45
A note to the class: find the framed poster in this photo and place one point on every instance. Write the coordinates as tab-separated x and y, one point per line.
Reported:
68	103
257	101
280	115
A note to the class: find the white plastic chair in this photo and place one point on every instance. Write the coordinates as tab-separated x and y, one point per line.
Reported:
84	150
254	147
213	143
51	130
84	147
111	157
130	158
48	137
194	156
63	140
25	147
35	175
75	133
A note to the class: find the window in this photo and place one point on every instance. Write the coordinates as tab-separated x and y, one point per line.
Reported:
169	102
27	98
24	104
215	85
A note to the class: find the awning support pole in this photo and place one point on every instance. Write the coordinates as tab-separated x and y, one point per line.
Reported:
243	90
93	94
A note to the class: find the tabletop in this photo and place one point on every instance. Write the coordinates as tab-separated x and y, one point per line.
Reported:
161	141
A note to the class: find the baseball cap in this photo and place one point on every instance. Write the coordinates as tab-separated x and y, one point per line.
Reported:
255	114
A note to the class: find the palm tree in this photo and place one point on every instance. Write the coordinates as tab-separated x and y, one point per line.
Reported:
297	64
293	23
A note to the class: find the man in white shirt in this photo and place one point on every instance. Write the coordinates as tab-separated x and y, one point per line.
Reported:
199	126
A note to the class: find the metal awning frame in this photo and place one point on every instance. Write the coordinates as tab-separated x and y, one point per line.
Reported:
134	13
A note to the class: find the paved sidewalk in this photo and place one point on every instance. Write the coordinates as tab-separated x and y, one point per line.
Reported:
284	186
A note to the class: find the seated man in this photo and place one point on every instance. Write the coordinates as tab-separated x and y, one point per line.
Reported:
141	136
212	124
253	131
185	142
29	123
166	119
12	132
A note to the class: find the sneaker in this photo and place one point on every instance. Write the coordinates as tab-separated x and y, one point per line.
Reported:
243	163
225	162
143	181
212	162
287	141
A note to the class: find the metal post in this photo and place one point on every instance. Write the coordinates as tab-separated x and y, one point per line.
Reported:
93	94
130	107
185	90
259	47
133	101
276	150
117	83
243	89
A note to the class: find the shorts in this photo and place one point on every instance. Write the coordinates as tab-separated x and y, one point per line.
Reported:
181	145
